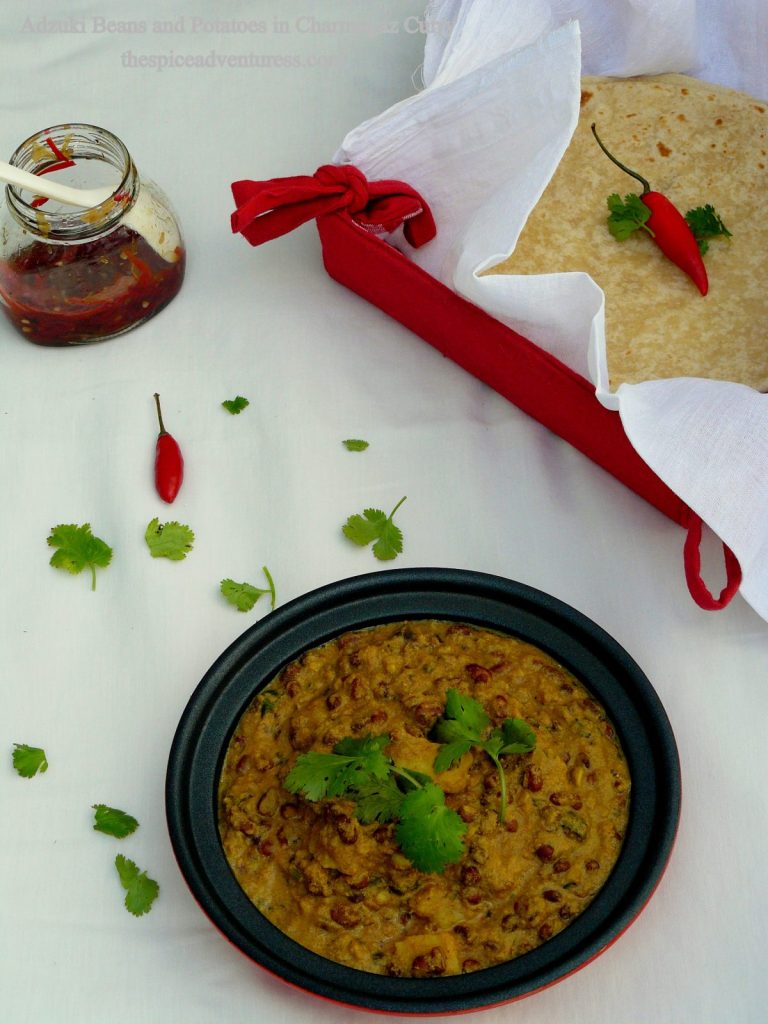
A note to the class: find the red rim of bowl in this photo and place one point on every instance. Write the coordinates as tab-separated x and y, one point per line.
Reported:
259	654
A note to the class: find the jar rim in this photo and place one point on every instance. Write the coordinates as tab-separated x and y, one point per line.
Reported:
72	139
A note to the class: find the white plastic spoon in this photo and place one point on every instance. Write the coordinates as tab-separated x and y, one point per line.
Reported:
42	185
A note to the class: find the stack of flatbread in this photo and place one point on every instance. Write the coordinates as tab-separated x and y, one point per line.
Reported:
698	144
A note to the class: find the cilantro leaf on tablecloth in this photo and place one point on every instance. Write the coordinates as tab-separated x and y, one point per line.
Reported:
169	540
429	832
29	761
140	890
78	549
353	444
244	595
374	525
236	405
113	822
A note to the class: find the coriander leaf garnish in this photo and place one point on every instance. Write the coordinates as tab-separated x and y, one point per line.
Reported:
374	525
353	444
78	549
244	595
378	800
705	222
464	725
429	832
369	751
169	540
318	775
452	751
466	713
236	405
627	216
29	761
113	822
140	890
518	736
354	762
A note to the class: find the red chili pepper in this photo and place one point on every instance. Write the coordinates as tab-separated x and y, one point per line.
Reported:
169	462
668	227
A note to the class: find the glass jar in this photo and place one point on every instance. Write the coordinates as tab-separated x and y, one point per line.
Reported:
68	275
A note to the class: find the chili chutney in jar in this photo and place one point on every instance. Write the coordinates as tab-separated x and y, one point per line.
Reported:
69	276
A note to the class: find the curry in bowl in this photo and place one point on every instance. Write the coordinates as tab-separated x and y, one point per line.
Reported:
423	798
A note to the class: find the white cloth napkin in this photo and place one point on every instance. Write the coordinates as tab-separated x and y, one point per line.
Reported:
481	142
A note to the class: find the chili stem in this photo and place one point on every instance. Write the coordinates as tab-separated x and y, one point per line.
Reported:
634	174
159	414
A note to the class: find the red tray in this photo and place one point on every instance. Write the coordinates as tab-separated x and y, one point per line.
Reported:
351	213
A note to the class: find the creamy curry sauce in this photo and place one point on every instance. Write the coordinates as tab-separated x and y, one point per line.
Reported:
344	889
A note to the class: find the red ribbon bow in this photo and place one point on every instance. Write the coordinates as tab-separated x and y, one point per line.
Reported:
266	209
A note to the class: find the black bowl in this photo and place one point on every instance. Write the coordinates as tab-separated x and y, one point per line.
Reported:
581	646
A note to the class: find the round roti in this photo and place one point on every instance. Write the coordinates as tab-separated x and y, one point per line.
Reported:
698	144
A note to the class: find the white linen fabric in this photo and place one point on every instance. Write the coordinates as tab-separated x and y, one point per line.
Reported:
506	80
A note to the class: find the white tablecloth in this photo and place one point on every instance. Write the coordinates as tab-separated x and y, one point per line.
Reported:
100	679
